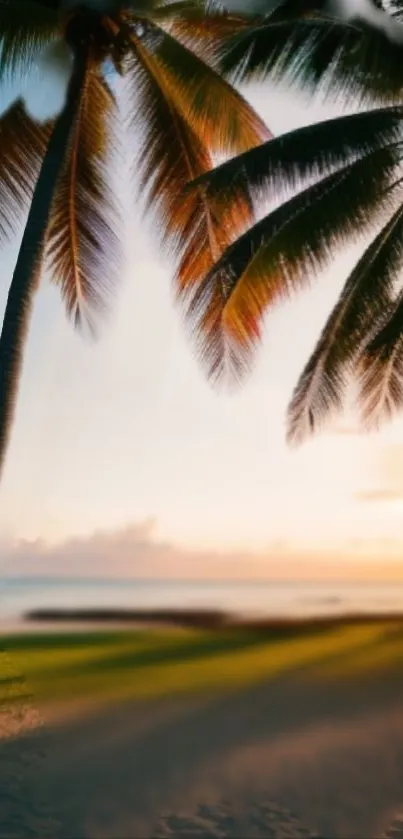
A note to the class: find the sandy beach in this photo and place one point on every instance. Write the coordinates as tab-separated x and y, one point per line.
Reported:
296	756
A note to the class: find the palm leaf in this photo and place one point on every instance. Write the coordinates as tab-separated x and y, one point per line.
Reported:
82	243
27	269
206	32
162	11
314	52
381	367
292	159
22	146
219	115
362	304
171	153
25	28
280	253
163	8
171	9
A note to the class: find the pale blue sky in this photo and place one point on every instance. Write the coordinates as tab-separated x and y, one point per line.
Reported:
109	435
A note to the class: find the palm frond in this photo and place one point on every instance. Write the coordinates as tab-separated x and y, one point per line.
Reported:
25	28
163	8
313	52
190	228
82	243
282	251
380	367
170	9
22	146
290	160
219	115
362	304
206	31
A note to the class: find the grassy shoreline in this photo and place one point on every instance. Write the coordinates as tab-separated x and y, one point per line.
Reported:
109	665
201	618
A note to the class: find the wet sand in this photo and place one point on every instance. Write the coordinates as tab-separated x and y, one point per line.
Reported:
291	758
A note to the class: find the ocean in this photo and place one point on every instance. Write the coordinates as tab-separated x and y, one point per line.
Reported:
251	598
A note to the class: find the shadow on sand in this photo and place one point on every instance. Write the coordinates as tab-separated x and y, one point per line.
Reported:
333	755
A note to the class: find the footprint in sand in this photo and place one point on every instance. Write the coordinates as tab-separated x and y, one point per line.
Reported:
395	829
262	821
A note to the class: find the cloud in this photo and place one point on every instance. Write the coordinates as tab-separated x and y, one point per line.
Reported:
133	551
379	495
345	430
368	11
356	11
388	484
136	552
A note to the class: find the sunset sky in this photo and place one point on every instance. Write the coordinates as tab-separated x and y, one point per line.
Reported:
126	440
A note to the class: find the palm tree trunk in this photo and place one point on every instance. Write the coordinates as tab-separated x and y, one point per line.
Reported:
29	262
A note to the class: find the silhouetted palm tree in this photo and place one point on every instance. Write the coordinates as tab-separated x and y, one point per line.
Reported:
335	180
184	113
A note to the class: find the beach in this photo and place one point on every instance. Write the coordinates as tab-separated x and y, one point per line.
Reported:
308	742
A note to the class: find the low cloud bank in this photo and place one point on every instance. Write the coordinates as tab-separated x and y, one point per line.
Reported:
134	551
137	552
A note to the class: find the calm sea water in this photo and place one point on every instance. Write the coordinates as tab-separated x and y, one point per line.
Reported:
17	596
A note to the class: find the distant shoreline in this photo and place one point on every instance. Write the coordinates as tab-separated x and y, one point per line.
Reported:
195	618
31	605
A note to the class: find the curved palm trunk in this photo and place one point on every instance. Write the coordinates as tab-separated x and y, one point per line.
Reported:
27	270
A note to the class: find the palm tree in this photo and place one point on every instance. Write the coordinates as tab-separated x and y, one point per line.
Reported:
333	181
184	114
